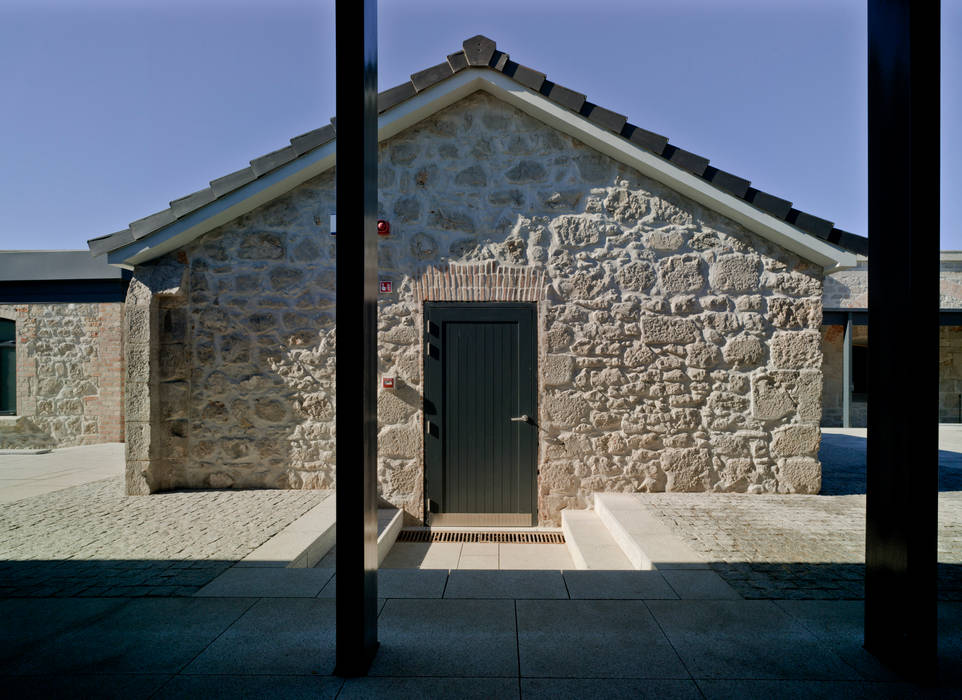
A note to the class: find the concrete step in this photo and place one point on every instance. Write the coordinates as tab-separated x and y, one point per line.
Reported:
646	541
389	524
589	542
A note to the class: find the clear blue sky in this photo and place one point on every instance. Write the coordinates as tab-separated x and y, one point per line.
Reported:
111	108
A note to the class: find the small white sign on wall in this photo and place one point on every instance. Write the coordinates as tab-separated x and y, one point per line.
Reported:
333	224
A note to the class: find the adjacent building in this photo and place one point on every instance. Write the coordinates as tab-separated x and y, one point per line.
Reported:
61	349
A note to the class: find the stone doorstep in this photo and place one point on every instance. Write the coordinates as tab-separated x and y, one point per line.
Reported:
590	543
646	541
39	451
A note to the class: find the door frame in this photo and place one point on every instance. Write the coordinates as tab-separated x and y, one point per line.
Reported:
432	416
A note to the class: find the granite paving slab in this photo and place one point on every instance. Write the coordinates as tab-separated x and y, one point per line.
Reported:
150	636
593	639
274	636
752	639
469	638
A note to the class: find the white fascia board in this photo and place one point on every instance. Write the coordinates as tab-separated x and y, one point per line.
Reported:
445	93
226	208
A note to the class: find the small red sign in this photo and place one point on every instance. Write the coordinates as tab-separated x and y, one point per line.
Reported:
387	382
386	287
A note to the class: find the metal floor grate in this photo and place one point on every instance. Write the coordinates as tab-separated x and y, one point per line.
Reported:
506	537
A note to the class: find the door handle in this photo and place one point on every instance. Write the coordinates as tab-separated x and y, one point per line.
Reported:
523	418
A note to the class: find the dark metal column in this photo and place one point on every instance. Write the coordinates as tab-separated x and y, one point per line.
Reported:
847	373
902	475
356	36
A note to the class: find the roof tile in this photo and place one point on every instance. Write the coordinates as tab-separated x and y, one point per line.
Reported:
776	206
821	228
568	99
188	203
528	77
849	241
429	76
457	61
604	118
105	244
272	160
141	227
692	162
312	139
478	50
395	95
731	183
499	60
231	182
648	140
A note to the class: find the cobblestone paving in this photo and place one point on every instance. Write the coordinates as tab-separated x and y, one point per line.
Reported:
91	540
809	547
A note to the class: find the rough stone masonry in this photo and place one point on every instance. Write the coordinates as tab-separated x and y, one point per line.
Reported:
69	384
677	351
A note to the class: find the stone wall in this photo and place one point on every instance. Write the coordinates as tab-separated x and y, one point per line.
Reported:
950	374
678	351
69	375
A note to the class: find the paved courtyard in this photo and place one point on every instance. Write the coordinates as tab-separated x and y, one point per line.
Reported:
92	540
810	547
108	596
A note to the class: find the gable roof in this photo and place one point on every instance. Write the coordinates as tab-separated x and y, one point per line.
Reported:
481	66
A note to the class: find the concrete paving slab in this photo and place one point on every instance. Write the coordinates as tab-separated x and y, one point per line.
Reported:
950	644
411	583
618	585
699	585
275	636
838	625
287	687
547	557
423	555
28	622
429	688
751	639
608	688
143	636
258	582
813	690
515	585
476	562
401	583
118	686
593	639
467	638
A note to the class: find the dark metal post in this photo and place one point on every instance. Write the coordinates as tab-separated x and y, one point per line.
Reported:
356	374
847	373
903	204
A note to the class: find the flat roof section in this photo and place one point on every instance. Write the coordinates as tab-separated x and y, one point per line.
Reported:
56	265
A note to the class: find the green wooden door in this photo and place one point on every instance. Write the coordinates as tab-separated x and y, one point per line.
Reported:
480	408
8	367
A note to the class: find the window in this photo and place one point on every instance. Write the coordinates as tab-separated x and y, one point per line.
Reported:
8	367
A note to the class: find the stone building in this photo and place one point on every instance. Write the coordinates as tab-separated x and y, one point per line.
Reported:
846	306
568	304
61	349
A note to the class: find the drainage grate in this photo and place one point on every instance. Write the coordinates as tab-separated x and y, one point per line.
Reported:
507	537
